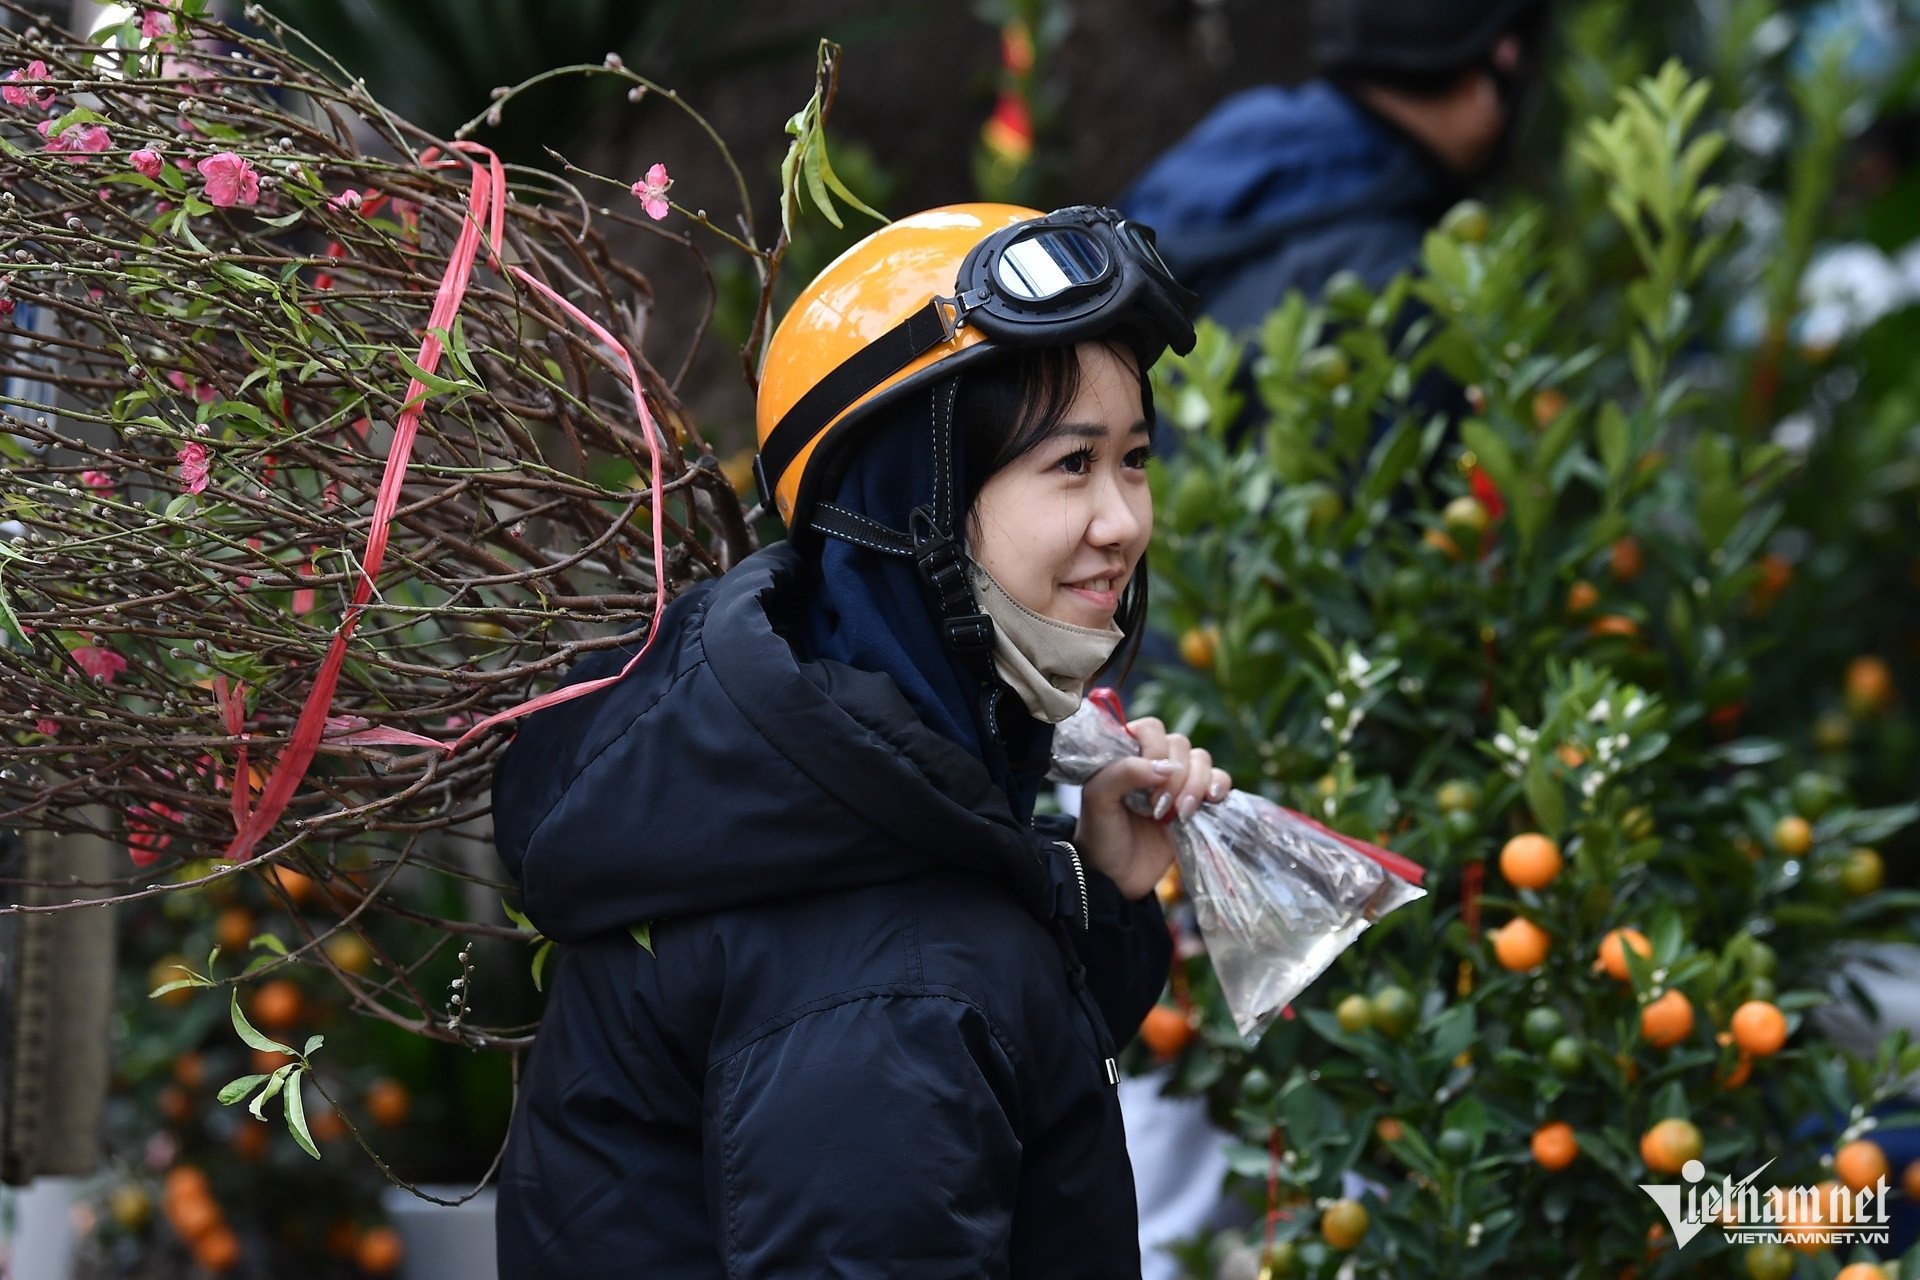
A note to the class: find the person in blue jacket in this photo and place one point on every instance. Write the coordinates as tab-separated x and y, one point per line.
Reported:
1280	188
873	1028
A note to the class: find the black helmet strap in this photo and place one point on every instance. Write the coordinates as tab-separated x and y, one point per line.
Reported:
931	542
860	373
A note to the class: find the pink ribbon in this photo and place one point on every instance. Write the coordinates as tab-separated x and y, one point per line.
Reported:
233	712
486	204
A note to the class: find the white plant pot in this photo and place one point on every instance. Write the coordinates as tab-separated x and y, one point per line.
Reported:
443	1243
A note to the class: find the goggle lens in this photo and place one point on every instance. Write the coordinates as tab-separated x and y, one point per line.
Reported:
1050	262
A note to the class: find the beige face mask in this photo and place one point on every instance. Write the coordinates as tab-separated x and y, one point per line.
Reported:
1047	663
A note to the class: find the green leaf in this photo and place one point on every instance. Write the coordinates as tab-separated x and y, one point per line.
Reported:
1532	504
454	341
193	208
1452	1033
789	192
313	1043
435	384
643	934
180	505
7	617
1615	438
816	185
268	942
1544	797
840	188
275	1083
78	115
225	409
296	1112
234	1090
1493	454
1445	263
252	1037
252	281
540	955
1392	459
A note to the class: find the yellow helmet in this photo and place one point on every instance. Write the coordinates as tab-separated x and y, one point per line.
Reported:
922	296
881	281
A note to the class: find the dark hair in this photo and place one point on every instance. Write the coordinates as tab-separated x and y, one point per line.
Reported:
1011	406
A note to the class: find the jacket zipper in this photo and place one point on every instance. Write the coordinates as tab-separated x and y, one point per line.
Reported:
1077	971
1080	875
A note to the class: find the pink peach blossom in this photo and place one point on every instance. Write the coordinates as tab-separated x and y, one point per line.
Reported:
146	162
14	88
98	481
196	460
47	727
155	24
230	179
77	141
188	387
651	192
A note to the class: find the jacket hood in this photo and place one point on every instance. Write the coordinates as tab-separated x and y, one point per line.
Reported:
725	771
1270	157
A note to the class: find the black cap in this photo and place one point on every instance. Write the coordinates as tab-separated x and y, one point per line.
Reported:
1412	37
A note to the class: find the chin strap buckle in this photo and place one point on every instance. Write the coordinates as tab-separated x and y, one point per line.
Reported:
943	563
969	634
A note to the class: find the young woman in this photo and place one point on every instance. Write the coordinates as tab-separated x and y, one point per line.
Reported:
873	1031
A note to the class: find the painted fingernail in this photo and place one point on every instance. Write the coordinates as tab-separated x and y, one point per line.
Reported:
1163	767
1218	791
1189	805
1160	807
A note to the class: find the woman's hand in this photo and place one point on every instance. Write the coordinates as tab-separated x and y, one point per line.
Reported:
1135	851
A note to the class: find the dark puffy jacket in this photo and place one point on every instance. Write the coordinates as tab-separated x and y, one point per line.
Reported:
1278	189
873	1033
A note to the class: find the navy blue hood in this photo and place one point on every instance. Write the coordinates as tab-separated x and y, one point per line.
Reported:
1272	156
868	609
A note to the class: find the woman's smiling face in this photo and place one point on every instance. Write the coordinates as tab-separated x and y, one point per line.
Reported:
1063	526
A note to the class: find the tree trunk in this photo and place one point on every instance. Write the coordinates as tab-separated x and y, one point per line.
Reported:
56	993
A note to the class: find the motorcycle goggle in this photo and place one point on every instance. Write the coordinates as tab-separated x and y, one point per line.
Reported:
1075	274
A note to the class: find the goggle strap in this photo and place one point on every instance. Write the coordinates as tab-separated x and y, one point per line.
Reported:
858	374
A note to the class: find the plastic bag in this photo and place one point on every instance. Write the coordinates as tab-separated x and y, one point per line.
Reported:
1277	895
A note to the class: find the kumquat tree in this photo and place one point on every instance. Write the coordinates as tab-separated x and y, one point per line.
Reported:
1571	647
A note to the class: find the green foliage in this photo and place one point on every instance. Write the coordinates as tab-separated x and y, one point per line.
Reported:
1542	611
805	169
